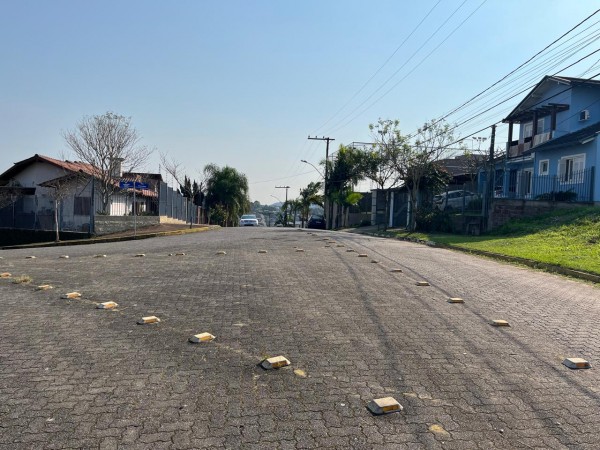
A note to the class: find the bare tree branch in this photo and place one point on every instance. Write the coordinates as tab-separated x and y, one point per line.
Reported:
109	143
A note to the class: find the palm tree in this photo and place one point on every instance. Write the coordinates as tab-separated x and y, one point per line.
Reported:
226	194
309	196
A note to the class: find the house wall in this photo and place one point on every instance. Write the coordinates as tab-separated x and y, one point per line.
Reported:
578	99
591	150
583	97
562	126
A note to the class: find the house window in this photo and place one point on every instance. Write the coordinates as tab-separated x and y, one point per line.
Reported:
540	125
570	168
528	130
526	178
82	206
544	167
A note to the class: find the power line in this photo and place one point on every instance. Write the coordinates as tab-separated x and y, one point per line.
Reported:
339	126
380	67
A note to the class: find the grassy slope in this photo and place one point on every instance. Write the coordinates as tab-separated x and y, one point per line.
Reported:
567	238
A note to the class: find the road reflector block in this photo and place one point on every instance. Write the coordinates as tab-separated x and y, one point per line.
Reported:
384	405
180	254
340	245
455	300
438	429
275	362
500	323
72	295
396	270
148	319
5	275
350	250
362	255
422	283
300	250
30	257
301	373
262	251
328	246
107	305
64	257
99	256
576	363
140	255
43	287
374	261
202	337
221	252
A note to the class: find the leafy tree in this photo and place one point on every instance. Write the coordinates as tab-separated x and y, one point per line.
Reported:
415	162
226	190
380	163
109	143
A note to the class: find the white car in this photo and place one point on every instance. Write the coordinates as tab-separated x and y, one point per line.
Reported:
453	200
248	220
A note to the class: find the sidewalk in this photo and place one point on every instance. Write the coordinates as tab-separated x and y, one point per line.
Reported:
165	229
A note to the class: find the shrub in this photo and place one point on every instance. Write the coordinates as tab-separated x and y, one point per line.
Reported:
432	219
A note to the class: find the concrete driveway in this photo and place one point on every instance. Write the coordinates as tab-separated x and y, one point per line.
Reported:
73	376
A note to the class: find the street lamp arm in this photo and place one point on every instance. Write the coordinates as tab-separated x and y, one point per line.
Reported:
314	167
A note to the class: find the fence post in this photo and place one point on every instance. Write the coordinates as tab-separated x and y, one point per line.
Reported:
592	173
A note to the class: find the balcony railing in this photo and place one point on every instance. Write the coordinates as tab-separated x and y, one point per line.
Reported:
516	148
571	187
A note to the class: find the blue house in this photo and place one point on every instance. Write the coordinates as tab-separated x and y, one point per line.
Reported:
556	149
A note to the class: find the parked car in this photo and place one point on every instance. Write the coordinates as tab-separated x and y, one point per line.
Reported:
316	221
453	200
248	220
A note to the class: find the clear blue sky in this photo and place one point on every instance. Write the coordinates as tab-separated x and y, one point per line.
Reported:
243	83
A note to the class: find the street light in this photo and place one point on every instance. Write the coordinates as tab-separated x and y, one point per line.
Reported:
285	215
313	166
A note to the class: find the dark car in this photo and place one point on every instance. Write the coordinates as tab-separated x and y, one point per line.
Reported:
317	222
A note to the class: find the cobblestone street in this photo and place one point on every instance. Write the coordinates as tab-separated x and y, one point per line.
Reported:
73	376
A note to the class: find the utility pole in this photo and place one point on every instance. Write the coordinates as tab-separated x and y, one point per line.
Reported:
286	203
328	204
490	181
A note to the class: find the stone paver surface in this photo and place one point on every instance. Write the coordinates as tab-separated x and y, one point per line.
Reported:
72	376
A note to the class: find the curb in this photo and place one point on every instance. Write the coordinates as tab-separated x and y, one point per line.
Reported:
587	276
100	240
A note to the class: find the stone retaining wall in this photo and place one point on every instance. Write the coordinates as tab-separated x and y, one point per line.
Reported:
504	210
114	224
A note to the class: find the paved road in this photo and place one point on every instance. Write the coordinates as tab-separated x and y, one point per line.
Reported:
72	376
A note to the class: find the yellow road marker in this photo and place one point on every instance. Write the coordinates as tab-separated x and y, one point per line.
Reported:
5	275
99	256
455	300
262	251
275	362
202	337
140	255
148	319
384	405
221	252
72	295
396	270
422	283
43	287
362	255
30	257
107	305
577	363
500	323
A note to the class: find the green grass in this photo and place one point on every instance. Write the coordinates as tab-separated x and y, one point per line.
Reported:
567	238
